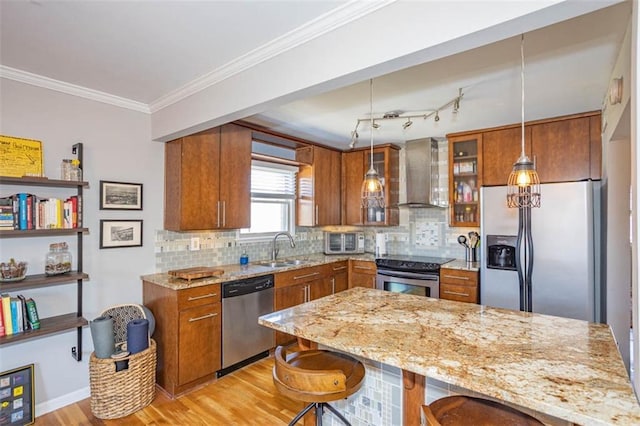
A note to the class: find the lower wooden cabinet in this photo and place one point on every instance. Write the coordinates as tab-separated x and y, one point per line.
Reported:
198	356
338	275
459	285
188	334
362	273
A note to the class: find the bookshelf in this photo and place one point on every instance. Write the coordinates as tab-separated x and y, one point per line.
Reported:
59	323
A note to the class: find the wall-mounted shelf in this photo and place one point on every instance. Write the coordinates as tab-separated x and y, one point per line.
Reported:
59	323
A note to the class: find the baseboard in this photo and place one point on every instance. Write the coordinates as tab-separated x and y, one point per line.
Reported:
62	401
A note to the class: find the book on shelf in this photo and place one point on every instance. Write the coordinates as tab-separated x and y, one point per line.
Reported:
2	333
32	314
6	313
16	315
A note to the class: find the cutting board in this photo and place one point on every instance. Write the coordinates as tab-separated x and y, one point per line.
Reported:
195	272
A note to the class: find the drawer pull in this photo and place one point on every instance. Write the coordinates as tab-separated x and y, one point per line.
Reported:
368	268
455	293
339	268
202	297
456	277
203	317
313	274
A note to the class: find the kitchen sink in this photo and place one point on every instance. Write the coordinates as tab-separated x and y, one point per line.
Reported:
282	263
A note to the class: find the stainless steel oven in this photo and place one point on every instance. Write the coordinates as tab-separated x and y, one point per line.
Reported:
411	275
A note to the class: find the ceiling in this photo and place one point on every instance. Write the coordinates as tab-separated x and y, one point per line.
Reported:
144	51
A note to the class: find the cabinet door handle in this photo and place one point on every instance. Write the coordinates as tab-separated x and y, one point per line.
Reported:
218	208
456	278
204	296
339	268
313	274
455	293
224	214
316	214
366	268
203	317
306	293
333	286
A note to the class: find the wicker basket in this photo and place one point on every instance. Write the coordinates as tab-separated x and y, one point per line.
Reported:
116	394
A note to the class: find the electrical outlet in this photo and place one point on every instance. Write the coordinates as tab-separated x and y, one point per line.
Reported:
195	244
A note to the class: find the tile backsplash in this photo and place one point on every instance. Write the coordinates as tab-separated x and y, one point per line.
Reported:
423	232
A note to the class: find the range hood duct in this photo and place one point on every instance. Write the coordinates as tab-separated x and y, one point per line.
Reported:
426	186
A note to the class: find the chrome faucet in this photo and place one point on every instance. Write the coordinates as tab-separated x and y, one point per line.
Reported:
274	250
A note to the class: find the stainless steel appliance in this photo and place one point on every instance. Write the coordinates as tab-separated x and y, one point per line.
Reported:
417	275
243	339
565	278
343	242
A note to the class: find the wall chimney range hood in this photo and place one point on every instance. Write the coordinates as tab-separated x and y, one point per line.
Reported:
426	186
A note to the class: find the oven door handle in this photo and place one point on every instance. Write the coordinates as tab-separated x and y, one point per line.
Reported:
429	276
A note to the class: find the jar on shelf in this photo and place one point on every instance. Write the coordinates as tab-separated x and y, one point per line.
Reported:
58	260
75	172
65	169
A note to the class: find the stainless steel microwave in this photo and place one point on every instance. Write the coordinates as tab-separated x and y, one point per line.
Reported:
343	242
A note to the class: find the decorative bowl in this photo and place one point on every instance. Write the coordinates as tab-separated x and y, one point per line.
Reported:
13	271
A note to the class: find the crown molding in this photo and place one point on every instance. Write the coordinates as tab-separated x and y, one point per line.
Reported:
71	89
325	23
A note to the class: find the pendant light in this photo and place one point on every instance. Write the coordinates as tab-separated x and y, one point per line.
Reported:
372	190
523	188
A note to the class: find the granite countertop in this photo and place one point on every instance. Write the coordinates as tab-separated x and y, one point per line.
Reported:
565	368
461	265
237	272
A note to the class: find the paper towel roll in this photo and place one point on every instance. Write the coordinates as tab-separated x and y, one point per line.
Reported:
381	245
137	335
102	336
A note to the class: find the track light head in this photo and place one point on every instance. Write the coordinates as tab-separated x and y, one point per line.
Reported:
437	117
375	125
407	124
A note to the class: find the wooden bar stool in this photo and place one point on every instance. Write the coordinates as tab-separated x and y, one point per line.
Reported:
460	410
317	377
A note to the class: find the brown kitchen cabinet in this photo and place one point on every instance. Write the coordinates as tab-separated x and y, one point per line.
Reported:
564	149
318	184
362	273
295	287
188	334
465	168
208	180
338	275
459	285
355	165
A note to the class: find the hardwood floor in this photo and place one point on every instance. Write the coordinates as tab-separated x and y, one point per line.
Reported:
244	397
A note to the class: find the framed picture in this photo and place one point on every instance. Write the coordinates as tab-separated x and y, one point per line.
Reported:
17	396
120	233
120	196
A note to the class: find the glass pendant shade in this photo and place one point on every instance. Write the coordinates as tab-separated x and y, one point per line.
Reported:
523	188
372	190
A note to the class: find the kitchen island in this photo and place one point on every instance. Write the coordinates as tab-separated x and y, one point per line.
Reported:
565	368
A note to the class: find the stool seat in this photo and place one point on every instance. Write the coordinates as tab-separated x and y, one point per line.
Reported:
317	377
460	410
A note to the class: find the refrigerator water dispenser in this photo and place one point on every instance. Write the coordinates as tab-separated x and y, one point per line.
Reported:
501	252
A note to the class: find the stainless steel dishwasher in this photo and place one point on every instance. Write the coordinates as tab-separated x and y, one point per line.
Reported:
243	339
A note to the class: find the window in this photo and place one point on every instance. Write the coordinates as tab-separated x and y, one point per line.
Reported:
273	194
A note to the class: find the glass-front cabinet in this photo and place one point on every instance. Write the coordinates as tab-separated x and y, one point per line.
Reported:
465	179
354	167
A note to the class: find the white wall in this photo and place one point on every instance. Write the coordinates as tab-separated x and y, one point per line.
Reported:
118	147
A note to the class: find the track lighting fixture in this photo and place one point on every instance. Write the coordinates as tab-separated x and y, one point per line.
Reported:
407	116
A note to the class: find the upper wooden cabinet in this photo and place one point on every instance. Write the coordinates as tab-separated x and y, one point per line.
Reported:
318	186
354	167
208	180
564	149
465	178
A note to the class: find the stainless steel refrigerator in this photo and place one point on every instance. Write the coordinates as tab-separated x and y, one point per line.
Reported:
566	231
